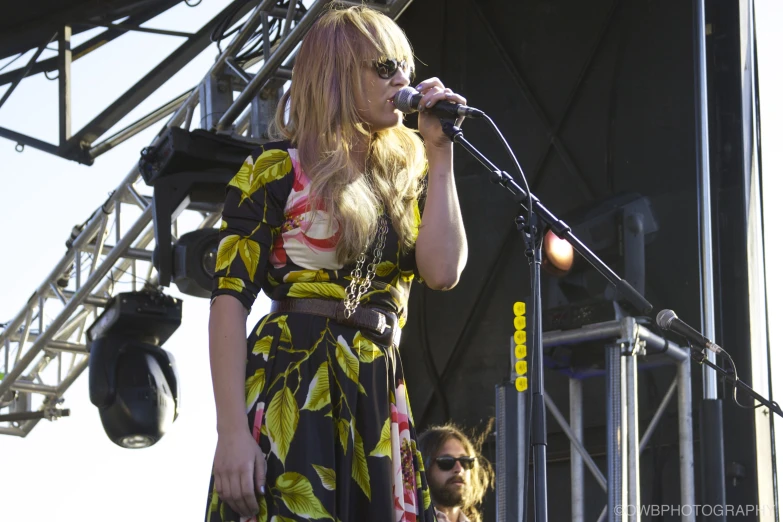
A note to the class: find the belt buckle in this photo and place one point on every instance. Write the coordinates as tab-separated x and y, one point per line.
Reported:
382	324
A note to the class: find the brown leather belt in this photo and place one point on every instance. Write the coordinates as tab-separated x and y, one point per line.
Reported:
381	322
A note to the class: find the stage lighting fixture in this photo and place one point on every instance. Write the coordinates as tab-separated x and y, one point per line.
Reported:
132	380
558	255
187	169
195	254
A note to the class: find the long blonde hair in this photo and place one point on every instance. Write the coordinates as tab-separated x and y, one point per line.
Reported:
324	124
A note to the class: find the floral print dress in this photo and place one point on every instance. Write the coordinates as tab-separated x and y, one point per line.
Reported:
327	405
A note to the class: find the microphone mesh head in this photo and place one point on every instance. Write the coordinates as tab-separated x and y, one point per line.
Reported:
403	100
665	318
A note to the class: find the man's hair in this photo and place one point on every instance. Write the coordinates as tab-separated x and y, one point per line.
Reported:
320	115
481	476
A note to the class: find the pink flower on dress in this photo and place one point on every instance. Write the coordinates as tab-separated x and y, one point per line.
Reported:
258	421
404	485
307	237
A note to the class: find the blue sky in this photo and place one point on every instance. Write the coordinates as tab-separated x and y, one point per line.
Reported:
69	470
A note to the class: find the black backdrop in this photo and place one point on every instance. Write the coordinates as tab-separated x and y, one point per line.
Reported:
596	98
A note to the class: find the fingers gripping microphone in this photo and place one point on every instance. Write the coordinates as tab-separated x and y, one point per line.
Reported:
668	320
407	101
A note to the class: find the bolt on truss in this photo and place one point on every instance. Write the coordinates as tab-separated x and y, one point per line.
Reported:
43	349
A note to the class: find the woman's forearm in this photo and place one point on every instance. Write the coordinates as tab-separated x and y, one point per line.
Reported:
441	248
227	357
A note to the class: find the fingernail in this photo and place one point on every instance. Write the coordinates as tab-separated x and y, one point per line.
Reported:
418	87
263	490
429	103
420	108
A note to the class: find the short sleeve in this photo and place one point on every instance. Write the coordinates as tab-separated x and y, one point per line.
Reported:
253	212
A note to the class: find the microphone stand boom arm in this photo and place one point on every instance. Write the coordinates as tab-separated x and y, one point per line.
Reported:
560	228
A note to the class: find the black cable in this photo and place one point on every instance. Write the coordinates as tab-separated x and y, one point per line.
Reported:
516	164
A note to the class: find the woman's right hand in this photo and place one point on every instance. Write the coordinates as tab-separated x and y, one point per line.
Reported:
240	471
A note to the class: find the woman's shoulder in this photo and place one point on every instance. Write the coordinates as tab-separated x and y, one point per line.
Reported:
274	148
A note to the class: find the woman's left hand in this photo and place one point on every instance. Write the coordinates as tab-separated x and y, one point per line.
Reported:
433	91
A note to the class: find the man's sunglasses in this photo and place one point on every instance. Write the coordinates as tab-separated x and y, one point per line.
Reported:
447	463
388	68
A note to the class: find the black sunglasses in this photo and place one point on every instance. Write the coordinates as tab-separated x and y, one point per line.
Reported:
447	463
388	68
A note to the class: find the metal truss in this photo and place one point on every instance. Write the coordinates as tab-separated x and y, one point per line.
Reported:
43	350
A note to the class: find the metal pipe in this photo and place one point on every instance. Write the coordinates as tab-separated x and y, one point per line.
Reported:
239	39
70	308
62	346
705	200
575	444
138	126
84	236
284	47
577	463
685	432
658	415
591	332
32	387
614	432
673	350
632	427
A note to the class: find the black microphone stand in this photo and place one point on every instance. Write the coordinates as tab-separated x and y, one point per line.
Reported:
700	356
533	236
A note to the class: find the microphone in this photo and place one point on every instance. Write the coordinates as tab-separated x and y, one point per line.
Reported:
668	320
407	101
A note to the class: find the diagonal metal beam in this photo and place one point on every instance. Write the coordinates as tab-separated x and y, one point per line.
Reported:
530	97
50	64
149	84
23	74
126	27
574	91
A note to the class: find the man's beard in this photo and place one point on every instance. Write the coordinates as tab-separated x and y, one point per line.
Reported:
447	497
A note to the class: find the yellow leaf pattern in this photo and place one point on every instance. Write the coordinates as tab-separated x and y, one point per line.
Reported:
270	166
231	283
366	349
296	492
318	395
383	449
348	362
263	346
253	388
285	332
282	419
385	268
227	251
327	290
307	276
343	430
250	252
327	476
359	470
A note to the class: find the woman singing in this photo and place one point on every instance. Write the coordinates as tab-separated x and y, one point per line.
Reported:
313	417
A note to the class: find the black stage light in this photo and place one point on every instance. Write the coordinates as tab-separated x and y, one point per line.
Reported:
618	230
187	169
195	254
132	380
